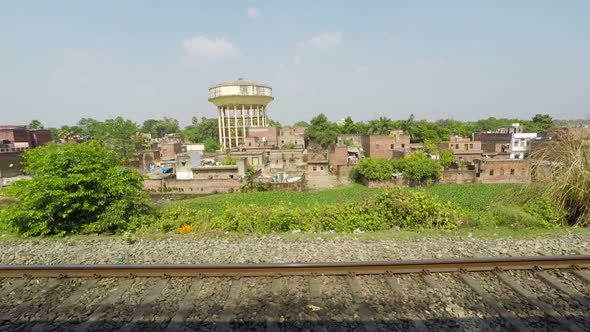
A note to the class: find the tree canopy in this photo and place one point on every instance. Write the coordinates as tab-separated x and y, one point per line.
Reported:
322	132
76	188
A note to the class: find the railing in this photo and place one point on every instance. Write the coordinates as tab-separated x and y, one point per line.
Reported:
242	90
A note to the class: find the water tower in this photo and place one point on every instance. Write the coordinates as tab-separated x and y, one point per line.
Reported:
240	105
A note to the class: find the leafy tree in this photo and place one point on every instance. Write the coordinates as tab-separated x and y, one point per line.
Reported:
122	136
89	126
35	124
322	132
159	128
430	146
300	124
380	126
375	169
420	169
211	145
348	127
76	188
446	157
274	123
201	131
148	126
66	132
543	122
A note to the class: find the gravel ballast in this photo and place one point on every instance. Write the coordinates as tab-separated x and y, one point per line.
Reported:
267	249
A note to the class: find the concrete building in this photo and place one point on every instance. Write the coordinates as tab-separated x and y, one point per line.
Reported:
512	142
241	108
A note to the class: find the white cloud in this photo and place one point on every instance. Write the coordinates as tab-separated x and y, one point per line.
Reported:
253	13
203	47
324	40
361	69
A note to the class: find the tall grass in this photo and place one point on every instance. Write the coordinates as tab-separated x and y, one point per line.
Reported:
563	168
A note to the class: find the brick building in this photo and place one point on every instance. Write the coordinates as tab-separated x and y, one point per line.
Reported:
504	171
464	148
291	136
14	140
382	146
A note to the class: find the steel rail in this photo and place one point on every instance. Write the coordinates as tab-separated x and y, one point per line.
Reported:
339	268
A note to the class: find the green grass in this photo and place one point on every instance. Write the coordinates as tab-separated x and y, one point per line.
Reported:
470	197
218	203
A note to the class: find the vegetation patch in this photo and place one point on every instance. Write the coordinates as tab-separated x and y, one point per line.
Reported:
393	208
76	188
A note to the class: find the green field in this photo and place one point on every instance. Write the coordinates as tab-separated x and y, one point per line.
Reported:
469	206
304	200
492	209
469	197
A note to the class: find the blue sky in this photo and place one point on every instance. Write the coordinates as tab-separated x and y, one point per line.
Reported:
64	60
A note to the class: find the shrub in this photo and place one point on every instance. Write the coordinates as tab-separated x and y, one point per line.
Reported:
565	164
75	188
515	217
391	208
545	210
415	210
419	169
375	169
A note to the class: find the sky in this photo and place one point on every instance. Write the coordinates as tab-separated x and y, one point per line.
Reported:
65	60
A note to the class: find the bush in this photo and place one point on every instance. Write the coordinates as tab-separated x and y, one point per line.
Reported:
374	169
409	210
562	167
515	217
76	188
419	169
544	209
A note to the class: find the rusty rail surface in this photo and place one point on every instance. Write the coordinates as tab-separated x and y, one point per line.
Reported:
340	268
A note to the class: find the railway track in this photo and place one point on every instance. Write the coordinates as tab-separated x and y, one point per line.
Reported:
508	293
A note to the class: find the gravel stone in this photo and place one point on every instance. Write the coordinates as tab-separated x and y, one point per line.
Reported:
182	249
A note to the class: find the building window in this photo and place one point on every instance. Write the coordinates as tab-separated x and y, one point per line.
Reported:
501	171
471	146
403	146
456	146
391	146
231	176
284	160
315	168
321	168
491	172
282	141
512	171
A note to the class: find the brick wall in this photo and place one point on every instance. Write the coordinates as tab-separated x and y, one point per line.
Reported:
344	173
339	156
459	176
16	134
399	182
268	133
41	137
192	186
505	171
381	146
168	151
